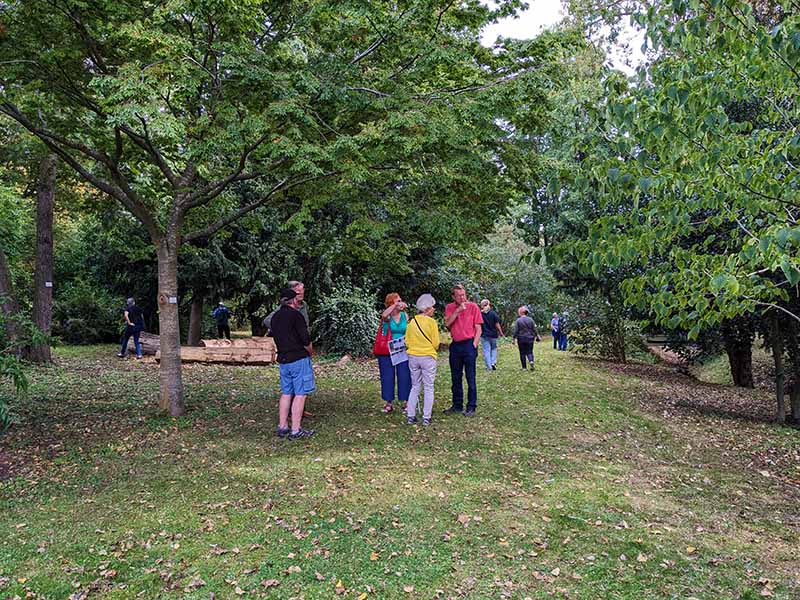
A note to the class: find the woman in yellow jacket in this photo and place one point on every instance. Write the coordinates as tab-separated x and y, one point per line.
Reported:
422	344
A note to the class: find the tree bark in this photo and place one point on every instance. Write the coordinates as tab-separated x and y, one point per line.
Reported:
738	338
8	301
195	320
43	273
777	356
170	380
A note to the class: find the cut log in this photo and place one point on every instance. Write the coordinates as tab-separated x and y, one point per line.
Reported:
150	342
260	343
233	356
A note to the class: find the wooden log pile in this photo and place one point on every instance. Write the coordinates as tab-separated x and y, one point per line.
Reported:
244	351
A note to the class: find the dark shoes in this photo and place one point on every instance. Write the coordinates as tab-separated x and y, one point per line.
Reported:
469	413
300	433
494	367
282	432
411	420
426	422
121	355
451	411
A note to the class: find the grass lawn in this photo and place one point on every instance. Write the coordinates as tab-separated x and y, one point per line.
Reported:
566	485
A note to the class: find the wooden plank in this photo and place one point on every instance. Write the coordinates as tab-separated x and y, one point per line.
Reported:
230	355
259	343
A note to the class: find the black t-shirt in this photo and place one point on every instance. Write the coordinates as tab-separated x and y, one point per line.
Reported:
290	332
490	321
135	316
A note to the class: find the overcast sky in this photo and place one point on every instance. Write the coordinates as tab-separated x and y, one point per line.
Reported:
546	13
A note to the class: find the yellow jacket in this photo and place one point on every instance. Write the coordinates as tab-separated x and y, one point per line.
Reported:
416	343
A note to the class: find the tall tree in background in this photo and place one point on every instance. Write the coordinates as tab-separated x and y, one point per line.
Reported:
163	106
43	270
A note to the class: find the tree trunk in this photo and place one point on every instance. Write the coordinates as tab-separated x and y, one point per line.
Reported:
794	359
8	302
738	337
777	356
195	320
170	380
43	274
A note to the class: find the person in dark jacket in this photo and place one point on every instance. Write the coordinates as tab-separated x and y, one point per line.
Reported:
563	330
134	325
221	315
524	334
290	332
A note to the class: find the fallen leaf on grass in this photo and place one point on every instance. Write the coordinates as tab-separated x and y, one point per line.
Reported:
690	549
293	569
268	583
374	556
408	589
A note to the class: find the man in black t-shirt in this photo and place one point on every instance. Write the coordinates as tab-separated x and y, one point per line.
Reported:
134	325
492	328
290	332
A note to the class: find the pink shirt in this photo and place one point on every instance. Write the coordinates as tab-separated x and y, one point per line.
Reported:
463	328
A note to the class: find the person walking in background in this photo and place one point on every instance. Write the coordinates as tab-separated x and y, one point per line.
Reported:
464	320
554	330
524	334
134	325
395	321
293	341
221	315
489	333
563	324
422	343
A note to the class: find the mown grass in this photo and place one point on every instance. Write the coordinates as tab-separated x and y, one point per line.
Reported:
560	487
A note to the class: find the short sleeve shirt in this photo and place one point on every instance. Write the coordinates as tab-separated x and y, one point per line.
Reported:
490	321
463	328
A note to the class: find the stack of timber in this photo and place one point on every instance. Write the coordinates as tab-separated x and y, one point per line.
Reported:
149	341
244	351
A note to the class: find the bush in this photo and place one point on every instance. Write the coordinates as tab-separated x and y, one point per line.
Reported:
598	328
10	368
85	314
347	321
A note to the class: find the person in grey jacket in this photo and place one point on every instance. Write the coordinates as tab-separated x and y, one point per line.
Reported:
523	335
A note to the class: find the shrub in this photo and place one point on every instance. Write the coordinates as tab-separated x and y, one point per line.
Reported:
85	314
346	321
599	328
10	368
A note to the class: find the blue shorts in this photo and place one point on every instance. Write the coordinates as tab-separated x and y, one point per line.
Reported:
297	378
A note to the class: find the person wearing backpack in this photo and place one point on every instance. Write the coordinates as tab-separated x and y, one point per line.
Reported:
221	316
422	343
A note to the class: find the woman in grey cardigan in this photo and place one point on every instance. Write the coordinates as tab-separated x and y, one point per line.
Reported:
523	335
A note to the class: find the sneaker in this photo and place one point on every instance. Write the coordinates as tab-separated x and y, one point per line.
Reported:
451	411
469	413
494	367
282	432
138	357
426	422
388	408
301	433
411	420
121	355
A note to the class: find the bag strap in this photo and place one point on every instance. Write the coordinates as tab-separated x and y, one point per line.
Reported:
422	332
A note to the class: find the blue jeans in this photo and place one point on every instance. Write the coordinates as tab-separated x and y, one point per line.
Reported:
463	356
389	373
562	341
489	346
555	335
131	331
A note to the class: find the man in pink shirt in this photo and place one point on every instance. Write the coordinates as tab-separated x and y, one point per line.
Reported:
464	321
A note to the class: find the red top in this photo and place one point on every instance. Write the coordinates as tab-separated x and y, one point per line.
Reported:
463	328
